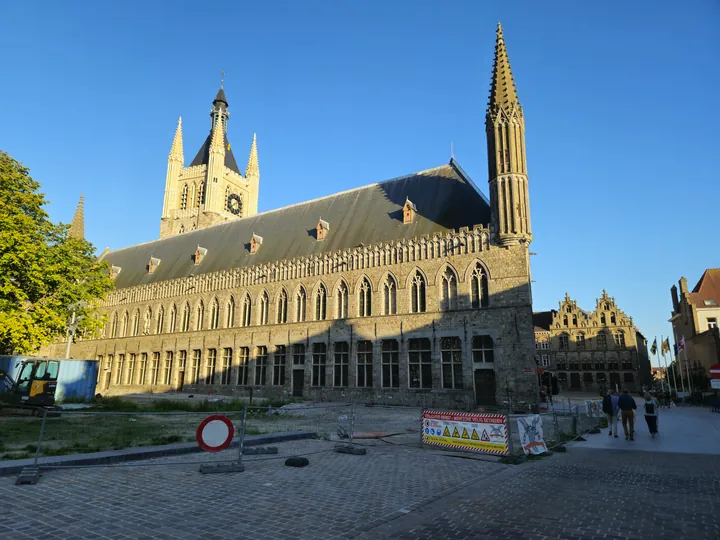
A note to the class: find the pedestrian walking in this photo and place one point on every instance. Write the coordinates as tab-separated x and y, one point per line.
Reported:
627	406
610	408
651	414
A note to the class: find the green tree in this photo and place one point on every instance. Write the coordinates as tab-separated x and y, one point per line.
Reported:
44	272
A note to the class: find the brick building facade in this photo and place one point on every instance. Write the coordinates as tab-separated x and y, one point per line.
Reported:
589	351
414	290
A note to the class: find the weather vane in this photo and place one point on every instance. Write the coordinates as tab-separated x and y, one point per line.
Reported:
222	78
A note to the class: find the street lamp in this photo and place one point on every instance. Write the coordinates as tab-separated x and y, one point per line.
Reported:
72	327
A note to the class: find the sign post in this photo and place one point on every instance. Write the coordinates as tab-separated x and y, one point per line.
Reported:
215	434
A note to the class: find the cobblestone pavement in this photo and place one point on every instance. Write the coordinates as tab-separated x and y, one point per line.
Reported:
336	496
394	492
584	494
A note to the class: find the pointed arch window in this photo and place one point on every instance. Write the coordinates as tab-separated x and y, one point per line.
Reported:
565	321
620	339
390	296
602	318
160	324
124	324
147	321
580	341
227	197
300	302
613	320
185	318
448	290
230	315
114	325
201	195
264	308
173	318
479	287
564	341
601	340
215	314
342	301
574	319
417	293
246	311
365	303
321	303
282	307
136	323
184	197
200	316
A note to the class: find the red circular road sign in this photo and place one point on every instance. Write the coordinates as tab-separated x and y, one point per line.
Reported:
715	371
215	433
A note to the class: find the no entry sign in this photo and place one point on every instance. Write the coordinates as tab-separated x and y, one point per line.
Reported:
715	371
215	433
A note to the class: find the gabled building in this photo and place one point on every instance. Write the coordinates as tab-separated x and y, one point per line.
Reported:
591	350
414	290
695	317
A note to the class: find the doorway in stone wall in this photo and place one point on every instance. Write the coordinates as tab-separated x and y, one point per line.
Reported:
575	381
485	387
181	381
298	381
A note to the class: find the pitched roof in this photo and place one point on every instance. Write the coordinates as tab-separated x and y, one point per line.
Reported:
446	200
708	288
542	320
203	155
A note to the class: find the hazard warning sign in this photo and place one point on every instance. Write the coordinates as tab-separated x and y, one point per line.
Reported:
474	432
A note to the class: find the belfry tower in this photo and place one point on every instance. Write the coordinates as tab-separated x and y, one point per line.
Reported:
507	166
211	189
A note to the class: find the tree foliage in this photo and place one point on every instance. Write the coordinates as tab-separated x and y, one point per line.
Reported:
44	273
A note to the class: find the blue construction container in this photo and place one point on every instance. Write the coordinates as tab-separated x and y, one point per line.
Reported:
76	379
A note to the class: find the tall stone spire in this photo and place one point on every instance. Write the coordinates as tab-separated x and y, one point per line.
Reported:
176	151
507	167
77	227
253	167
502	89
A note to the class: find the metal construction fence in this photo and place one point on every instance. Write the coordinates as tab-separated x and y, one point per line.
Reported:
80	432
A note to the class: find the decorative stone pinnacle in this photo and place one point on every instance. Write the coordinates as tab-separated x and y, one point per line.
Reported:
502	91
77	226
253	166
176	151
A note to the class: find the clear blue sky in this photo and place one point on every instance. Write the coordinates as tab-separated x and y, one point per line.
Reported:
620	98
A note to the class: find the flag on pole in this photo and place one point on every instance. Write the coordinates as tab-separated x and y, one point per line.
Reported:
675	348
682	343
666	346
653	349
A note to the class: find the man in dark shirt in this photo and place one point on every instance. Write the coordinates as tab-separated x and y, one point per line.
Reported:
627	406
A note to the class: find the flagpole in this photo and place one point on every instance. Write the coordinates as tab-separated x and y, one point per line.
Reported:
677	359
655	353
662	365
666	366
687	368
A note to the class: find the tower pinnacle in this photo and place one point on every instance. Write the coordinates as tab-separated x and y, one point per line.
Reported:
507	167
253	167
176	151
77	226
502	90
217	143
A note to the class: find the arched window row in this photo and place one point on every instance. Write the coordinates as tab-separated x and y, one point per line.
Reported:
403	251
303	305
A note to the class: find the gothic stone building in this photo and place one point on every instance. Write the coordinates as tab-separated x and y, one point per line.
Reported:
413	290
591	350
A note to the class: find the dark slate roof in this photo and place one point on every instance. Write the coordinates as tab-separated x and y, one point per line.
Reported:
221	96
203	155
542	320
445	197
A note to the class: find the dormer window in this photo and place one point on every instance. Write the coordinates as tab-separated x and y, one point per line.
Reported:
199	254
409	210
255	243
322	229
114	271
153	264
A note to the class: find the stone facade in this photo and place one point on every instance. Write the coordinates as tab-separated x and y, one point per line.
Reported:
695	319
437	319
589	351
